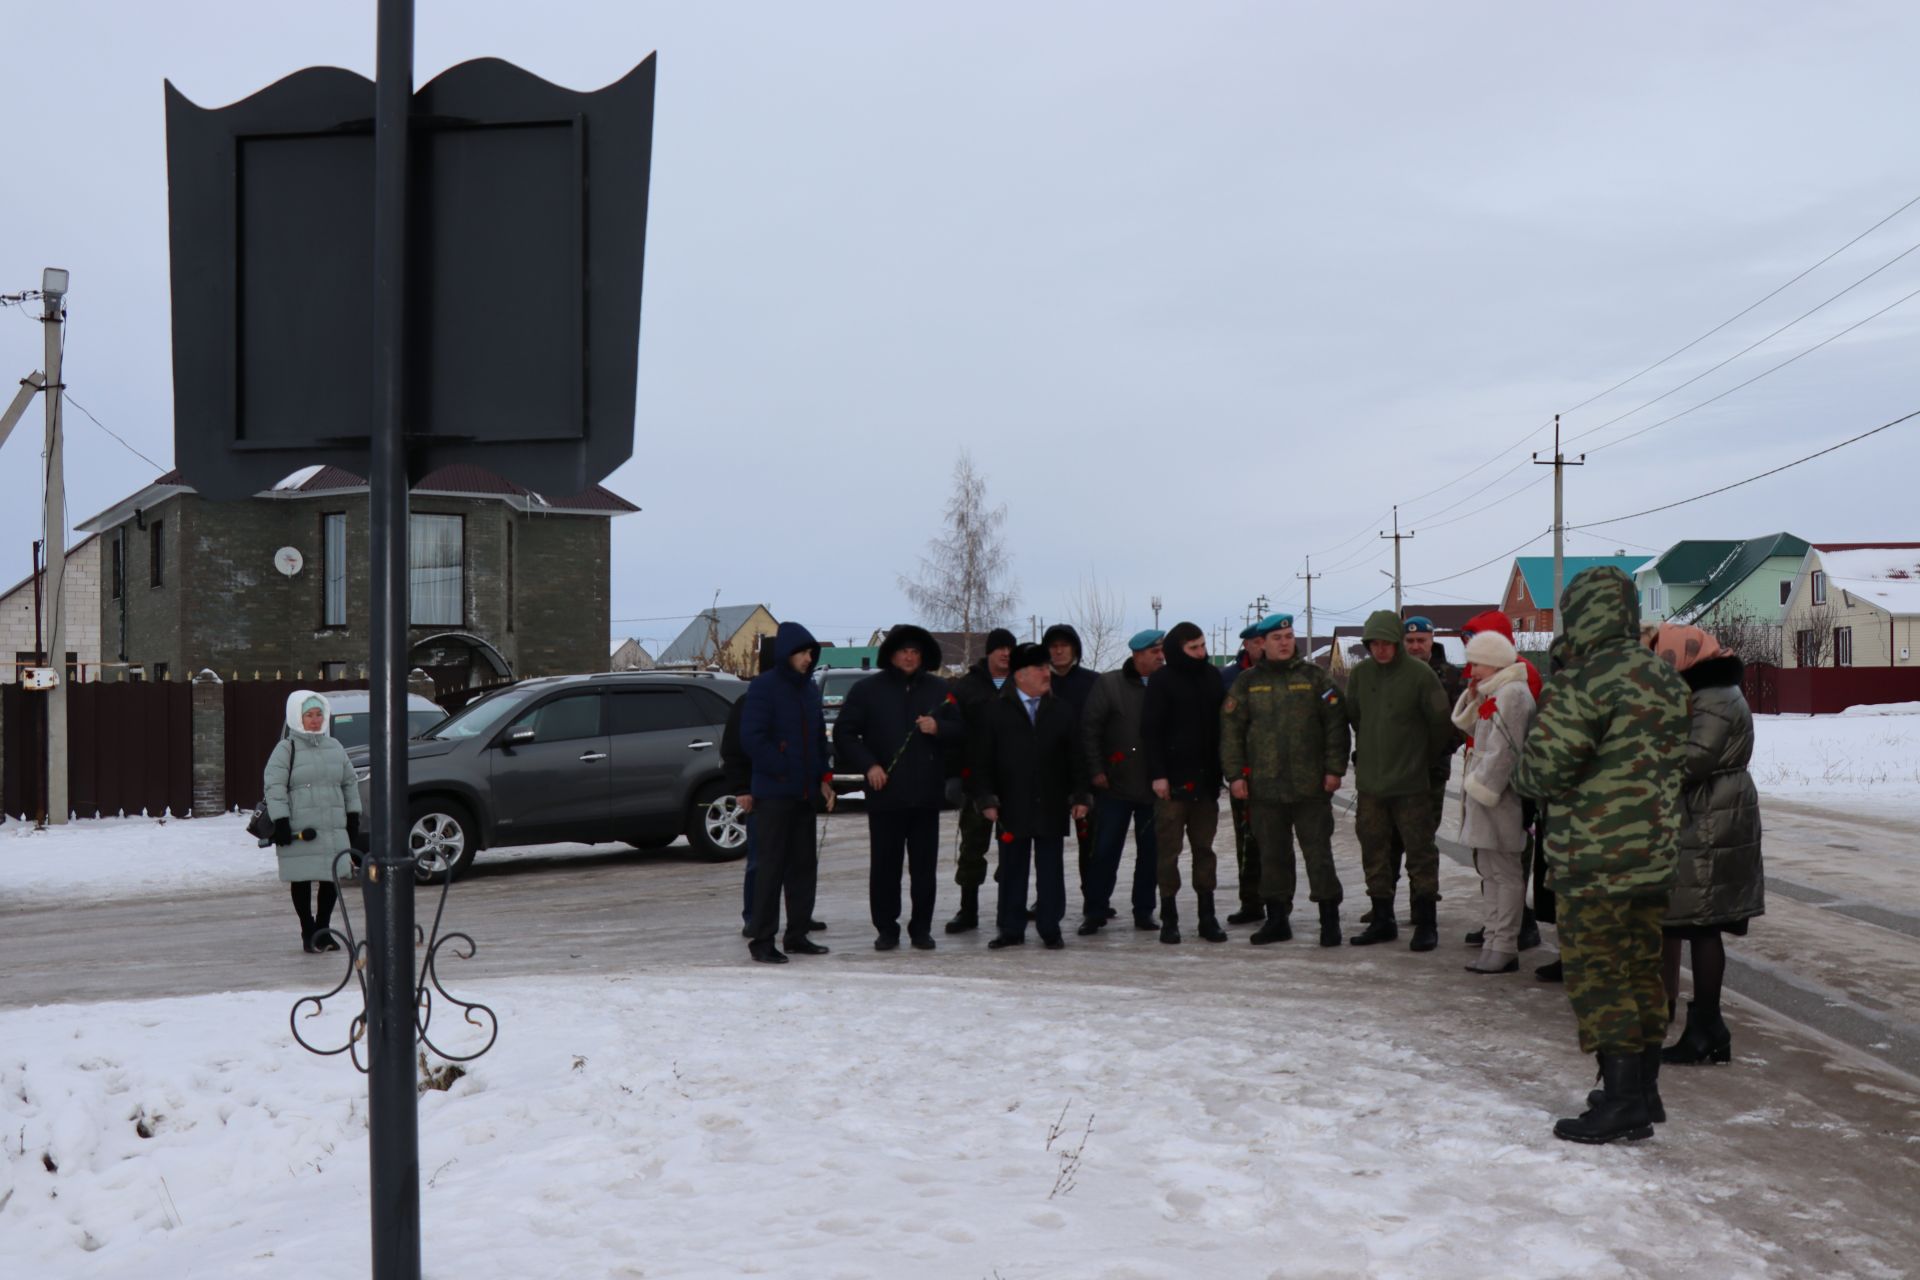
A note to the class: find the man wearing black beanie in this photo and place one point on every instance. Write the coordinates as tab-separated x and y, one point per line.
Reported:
1180	745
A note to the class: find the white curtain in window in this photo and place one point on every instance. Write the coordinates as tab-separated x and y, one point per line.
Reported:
434	570
334	555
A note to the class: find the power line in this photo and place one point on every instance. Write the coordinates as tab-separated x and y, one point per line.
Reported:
115	434
1492	560
1581	435
1608	444
1774	471
1730	319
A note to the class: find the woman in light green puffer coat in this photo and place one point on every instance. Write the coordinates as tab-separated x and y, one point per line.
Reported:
313	798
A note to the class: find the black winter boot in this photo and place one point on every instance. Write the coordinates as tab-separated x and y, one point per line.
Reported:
1478	938
1329	924
1276	929
1426	928
1529	930
1381	928
1169	919
1622	1111
1650	1086
967	918
1706	1038
1249	913
1550	971
1210	930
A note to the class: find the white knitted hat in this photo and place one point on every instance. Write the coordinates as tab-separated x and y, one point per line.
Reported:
1491	649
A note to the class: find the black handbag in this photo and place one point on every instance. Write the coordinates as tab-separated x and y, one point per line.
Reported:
260	825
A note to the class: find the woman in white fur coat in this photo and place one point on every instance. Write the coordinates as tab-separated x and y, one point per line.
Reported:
1495	712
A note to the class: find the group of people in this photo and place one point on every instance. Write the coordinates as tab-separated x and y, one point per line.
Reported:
1626	760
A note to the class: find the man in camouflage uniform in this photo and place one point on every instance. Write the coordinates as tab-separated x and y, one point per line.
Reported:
1246	849
1402	727
1607	753
1418	637
1283	744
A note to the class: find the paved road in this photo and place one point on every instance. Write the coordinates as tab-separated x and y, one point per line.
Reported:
1805	1141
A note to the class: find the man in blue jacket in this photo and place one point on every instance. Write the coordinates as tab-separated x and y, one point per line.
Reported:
896	728
784	732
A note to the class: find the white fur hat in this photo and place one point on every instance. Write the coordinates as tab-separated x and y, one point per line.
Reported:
1491	649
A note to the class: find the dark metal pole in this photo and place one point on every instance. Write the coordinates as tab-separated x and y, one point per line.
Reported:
392	1097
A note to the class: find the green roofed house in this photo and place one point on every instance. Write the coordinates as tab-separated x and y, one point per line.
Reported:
1528	599
1744	599
1669	582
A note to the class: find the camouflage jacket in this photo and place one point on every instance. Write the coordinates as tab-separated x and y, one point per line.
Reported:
1609	749
1283	729
1401	721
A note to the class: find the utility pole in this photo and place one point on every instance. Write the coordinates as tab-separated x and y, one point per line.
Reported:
1260	606
53	291
1156	613
1308	578
1398	537
1559	465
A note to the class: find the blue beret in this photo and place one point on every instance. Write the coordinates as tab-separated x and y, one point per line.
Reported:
1272	622
1145	639
1249	631
1417	623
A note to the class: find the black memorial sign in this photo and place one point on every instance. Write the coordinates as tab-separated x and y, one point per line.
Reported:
522	194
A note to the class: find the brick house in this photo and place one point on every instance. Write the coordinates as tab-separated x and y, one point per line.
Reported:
80	604
1528	599
504	583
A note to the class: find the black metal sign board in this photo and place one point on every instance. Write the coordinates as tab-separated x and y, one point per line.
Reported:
528	213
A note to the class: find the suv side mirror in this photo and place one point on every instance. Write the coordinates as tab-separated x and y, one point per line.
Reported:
520	737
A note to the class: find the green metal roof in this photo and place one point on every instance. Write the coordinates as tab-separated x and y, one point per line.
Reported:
841	657
1688	564
1738	567
1538	572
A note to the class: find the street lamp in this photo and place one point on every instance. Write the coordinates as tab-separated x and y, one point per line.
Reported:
53	282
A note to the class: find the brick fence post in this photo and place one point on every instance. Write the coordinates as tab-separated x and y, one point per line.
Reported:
209	746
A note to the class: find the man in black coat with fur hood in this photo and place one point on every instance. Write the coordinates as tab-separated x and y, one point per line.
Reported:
896	727
1029	778
1073	685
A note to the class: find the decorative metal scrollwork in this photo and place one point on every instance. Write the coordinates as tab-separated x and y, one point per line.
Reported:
427	987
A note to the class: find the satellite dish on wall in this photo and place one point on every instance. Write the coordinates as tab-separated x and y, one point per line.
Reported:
288	560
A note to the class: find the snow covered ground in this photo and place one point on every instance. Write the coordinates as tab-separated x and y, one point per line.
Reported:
825	1124
1865	760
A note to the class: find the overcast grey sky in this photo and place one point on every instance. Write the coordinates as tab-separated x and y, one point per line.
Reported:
1204	288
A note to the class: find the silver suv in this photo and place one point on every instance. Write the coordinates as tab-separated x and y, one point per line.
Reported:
626	756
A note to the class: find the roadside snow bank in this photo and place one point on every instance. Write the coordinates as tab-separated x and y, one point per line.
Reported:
1866	760
703	1124
95	858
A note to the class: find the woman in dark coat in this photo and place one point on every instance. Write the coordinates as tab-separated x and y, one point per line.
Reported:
1718	882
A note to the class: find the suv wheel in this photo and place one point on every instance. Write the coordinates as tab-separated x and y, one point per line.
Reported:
716	828
442	838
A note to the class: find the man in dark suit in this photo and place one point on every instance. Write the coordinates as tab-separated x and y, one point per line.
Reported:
1029	778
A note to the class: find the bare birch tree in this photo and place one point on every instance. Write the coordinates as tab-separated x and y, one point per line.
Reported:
963	583
1095	611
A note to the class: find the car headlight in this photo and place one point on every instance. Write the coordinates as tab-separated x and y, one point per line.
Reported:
362	774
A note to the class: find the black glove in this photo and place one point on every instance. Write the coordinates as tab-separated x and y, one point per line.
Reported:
282	832
353	826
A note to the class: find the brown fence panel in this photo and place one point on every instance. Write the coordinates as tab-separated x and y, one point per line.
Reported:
256	712
20	787
130	749
1826	690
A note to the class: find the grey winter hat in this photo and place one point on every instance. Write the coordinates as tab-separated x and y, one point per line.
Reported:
314	703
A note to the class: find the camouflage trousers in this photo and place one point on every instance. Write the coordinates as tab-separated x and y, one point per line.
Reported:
1439	793
1387	825
976	835
1196	820
1276	825
1246	853
1610	948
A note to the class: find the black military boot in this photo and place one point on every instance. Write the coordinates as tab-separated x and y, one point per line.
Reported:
1649	1086
1478	938
1426	928
1622	1110
1550	971
967	918
1249	913
1381	928
1276	929
1169	919
1706	1038
1210	930
1329	924
1529	930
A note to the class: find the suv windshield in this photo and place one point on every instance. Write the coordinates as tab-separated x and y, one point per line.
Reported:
834	684
352	728
483	716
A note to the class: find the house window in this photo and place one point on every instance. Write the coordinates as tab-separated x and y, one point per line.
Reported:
333	569
119	561
156	554
1803	655
1786	589
1819	587
159	671
1658	592
1843	646
435	565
